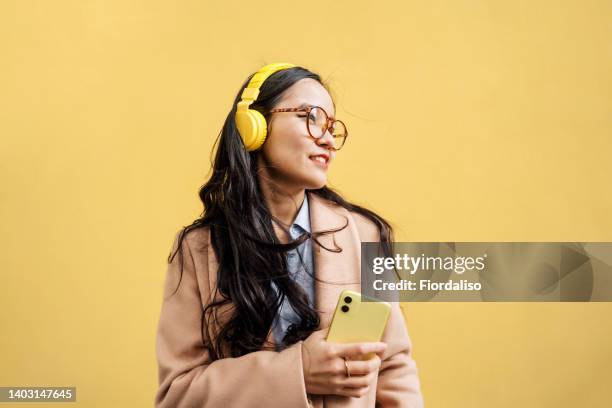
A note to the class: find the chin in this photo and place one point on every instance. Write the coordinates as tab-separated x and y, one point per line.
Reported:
310	180
316	184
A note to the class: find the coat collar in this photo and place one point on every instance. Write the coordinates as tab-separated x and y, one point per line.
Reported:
334	271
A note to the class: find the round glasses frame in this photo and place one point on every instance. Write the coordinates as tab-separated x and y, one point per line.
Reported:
329	123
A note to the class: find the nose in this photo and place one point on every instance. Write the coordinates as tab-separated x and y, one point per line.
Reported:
326	141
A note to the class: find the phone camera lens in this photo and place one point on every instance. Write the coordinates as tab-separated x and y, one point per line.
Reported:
348	299
345	308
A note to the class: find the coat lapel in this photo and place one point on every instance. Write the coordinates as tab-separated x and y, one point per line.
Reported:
334	271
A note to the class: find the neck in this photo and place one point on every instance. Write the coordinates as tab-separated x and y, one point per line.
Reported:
283	205
283	201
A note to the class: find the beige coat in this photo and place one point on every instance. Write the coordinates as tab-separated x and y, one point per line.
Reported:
267	378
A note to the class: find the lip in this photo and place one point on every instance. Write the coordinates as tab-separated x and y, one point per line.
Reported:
324	156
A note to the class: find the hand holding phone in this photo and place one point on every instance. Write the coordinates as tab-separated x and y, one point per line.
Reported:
356	321
336	368
343	360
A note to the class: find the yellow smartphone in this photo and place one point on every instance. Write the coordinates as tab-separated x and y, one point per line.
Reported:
355	321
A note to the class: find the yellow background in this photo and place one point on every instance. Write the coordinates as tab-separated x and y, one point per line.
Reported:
469	120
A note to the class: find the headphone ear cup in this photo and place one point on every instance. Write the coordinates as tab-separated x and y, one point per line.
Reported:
260	130
252	127
245	125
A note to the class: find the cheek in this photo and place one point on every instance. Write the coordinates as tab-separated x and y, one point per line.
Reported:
287	150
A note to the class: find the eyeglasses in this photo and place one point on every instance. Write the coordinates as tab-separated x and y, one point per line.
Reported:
318	123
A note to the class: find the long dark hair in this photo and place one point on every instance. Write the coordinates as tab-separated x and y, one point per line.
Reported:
249	253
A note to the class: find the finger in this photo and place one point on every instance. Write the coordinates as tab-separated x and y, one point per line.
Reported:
353	392
356	350
358	381
363	367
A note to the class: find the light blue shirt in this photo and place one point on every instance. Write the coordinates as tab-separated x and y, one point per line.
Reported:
287	315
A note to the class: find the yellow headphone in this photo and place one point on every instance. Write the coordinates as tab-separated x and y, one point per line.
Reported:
251	124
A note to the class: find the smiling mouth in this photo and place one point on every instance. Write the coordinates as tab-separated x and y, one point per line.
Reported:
322	159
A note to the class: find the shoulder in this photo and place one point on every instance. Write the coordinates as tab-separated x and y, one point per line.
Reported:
193	240
193	260
194	247
367	229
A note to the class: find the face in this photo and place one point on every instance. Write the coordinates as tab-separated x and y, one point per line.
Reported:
289	156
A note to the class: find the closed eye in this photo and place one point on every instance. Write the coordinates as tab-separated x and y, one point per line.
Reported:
311	117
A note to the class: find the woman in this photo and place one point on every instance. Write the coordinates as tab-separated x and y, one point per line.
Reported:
250	296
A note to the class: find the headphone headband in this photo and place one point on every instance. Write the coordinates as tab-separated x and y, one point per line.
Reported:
251	124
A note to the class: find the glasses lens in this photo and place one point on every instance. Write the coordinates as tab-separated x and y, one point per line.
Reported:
317	121
339	133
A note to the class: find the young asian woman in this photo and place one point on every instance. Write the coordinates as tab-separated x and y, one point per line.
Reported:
252	284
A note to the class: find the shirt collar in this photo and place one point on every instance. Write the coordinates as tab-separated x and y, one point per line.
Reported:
302	219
